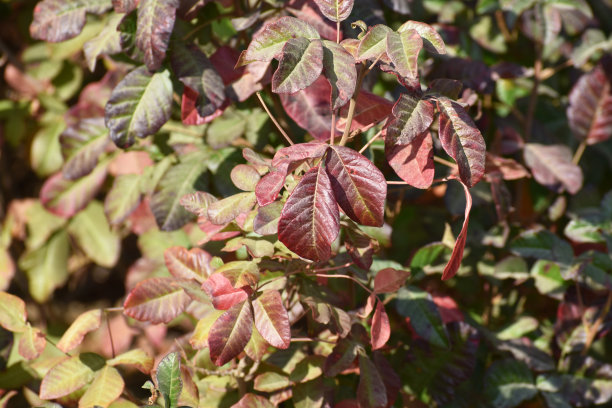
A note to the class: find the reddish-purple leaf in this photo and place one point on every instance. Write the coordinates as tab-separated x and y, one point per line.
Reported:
411	117
451	88
301	63
590	106
222	293
381	329
390	378
31	343
371	391
413	162
155	24
339	69
432	41
369	110
389	280
310	108
358	186
455	260
307	10
124	6
230	333
309	221
462	140
188	264
60	20
65	197
82	146
157	300
269	186
189	112
335	10
359	246
253	401
272	320
552	165
224	60
507	168
403	49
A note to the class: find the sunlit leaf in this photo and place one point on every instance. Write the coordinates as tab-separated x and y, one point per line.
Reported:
374	43
83	324
198	202
425	319
271	319
139	105
199	339
137	358
230	333
169	378
240	273
339	69
123	198
222	293
31	343
157	300
432	41
369	110
108	42
509	383
381	329
270	381
551	165
454	262
389	280
413	162
45	153
12	312
69	375
60	20
188	264
155	24
358	186
106	387
341	358
335	10
403	49
82	145
371	391
301	63
309	221
253	401
257	347
245	177
226	210
266	220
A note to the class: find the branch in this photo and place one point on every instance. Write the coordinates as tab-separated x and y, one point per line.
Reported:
286	136
592	331
376	136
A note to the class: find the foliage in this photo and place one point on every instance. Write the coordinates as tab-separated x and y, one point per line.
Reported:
305	203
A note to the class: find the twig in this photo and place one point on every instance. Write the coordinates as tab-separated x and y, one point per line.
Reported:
501	23
113	309
273	119
110	335
579	152
333	268
338	31
332	132
592	331
445	162
309	340
376	136
397	182
323	275
533	98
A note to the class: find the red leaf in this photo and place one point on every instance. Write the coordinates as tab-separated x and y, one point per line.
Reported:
371	391
253	401
300	65
157	300
309	221
414	162
509	169
381	329
307	10
222	293
192	264
189	113
359	187
272	320
449	311
390	378
359	245
552	165
369	110
230	333
455	260
389	280
224	60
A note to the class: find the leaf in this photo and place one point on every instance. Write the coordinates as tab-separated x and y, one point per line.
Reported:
198	202
272	320
413	162
257	347
199	338
123	198
188	264
381	329
226	210
389	280
157	300
45	153
454	262
358	186
92	233
240	273
403	49
223	294
108	42
82	145
371	391
12	312
425	319
341	358
301	63
359	245
155	24
253	401
432	41
137	358
339	69
542	244
230	333
335	10
139	105
106	387
392	381
374	43
169	379
83	324
65	198
69	375
199	76
508	383
309	221
60	20
412	116
309	368
551	165
369	110
186	177
245	177
590	107
266	220
462	140
269	41
270	381
31	343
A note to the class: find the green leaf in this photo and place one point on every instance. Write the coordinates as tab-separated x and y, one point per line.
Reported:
82	146
155	24
300	65
226	210
339	69
270	381
60	20
374	43
41	224
403	49
106	387
108	42
183	178
518	328
508	383
432	41
245	177
371	391
253	401
122	198
548	279
92	233
139	105
137	358
12	312
45	153
69	375
309	368
542	244
424	317
169	379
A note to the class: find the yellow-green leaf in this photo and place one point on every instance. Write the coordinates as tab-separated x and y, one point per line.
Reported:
105	388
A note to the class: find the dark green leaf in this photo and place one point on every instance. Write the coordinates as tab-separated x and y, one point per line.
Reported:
169	379
418	305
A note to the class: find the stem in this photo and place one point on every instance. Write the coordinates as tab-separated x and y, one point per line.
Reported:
533	99
592	331
338	32
332	132
309	340
323	275
376	136
501	23
169	127
274	119
113	309
397	182
445	162
110	335
579	152
333	268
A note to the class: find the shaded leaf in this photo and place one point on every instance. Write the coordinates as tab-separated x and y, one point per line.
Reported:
462	140
266	220
257	347
454	262
341	358
270	381
12	312
253	401
339	69
335	10
412	162
358	186
392	381
403	49
551	166
223	211
157	300
374	43
369	110
359	245
389	280
199	339
106	387
82	145
188	264
83	324
169	378
425	319
371	391
451	88
272	320
509	383
542	244
139	105
381	329
309	368
300	65
123	198
155	24
60	20
432	41
223	294
309	221
137	358
230	333
31	343
69	375
536	359
412	116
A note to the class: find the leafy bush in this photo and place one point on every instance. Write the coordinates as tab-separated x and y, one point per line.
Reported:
306	203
